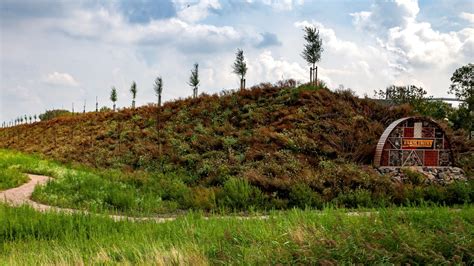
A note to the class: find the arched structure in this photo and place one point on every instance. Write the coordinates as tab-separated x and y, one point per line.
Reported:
413	141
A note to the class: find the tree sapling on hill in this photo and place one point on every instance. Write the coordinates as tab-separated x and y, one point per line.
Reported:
133	90
240	67
113	97
194	80
312	51
158	87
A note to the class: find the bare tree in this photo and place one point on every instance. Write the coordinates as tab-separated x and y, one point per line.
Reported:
240	67
194	79
312	51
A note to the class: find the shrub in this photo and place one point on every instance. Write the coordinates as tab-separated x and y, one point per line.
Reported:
50	114
239	194
355	198
302	196
460	192
203	198
121	198
413	176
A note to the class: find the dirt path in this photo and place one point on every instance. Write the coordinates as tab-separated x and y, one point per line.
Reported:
22	196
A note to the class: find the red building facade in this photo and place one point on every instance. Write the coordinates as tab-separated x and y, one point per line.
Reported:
413	141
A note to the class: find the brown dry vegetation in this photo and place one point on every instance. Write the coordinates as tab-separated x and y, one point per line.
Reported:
274	136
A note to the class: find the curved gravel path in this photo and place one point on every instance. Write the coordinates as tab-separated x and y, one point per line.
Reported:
22	196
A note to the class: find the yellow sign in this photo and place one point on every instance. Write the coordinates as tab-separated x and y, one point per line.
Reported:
417	143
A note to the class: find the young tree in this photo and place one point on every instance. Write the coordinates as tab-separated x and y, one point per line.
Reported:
240	67
463	85
26	119
30	118
194	79
158	87
113	96
35	117
312	51
133	90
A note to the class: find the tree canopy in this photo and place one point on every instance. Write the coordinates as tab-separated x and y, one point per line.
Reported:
133	90
158	87
113	96
314	45
50	114
402	94
463	84
194	79
240	67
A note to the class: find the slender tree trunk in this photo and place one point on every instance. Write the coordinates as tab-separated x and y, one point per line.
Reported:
133	104
316	75
242	83
158	131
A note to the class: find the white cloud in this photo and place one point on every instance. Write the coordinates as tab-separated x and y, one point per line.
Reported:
60	79
197	12
417	53
386	15
111	27
467	16
283	5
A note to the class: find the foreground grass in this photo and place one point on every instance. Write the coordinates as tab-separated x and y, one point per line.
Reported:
434	235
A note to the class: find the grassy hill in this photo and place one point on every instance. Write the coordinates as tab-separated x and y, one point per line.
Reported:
297	146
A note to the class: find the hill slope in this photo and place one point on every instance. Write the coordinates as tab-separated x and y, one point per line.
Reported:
270	135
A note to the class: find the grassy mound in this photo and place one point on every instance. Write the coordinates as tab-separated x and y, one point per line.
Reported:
272	136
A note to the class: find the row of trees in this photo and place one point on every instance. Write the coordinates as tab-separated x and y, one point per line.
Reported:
311	54
20	120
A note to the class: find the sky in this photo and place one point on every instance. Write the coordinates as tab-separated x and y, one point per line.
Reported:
55	53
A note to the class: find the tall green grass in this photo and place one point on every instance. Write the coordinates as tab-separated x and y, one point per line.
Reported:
434	235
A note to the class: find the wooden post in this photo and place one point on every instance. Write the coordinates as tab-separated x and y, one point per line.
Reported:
316	75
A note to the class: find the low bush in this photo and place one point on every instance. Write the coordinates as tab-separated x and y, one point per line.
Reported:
302	196
239	194
359	198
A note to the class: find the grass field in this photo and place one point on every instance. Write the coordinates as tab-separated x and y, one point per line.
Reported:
421	235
